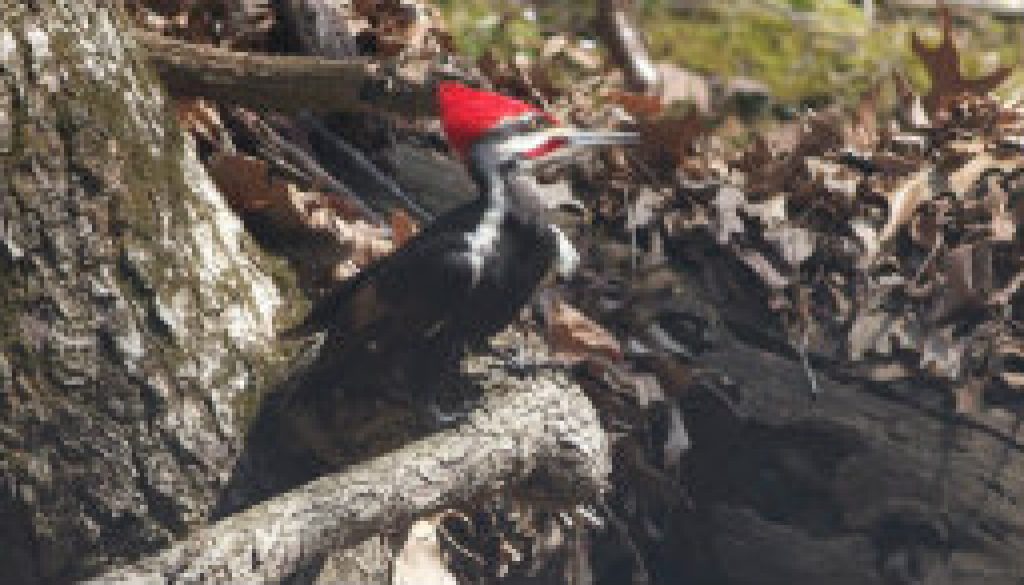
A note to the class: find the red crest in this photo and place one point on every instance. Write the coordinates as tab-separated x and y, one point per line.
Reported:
467	113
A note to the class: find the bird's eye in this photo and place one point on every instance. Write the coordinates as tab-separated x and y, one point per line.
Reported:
535	122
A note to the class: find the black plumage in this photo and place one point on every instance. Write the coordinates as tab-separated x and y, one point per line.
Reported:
469	273
416	310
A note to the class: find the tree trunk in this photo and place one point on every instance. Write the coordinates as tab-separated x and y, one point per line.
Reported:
135	312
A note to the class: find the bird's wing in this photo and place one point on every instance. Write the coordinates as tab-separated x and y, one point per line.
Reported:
402	299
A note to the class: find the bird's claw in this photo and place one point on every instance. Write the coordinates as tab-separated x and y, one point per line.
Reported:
438	417
521	363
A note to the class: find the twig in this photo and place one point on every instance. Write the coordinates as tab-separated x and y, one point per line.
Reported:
303	160
353	154
805	360
447	536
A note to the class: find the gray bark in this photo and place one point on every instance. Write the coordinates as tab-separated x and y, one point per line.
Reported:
135	312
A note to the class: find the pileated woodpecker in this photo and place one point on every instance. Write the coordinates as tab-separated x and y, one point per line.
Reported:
469	273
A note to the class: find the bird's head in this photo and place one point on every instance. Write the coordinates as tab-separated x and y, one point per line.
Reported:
492	131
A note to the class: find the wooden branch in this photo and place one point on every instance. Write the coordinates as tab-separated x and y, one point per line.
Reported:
284	83
546	430
251	123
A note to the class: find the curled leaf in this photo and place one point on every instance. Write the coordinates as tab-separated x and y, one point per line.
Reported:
575	337
943	65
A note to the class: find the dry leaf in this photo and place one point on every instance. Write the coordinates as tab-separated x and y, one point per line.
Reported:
639	105
368	242
876	332
421	562
403	228
942	354
574	337
943	64
668	140
964	179
902	203
862	133
762	267
200	117
245	182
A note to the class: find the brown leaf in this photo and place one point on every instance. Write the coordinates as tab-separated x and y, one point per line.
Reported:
668	140
943	64
962	180
245	182
505	77
403	228
968	280
639	105
574	337
367	242
862	133
902	203
675	376
200	117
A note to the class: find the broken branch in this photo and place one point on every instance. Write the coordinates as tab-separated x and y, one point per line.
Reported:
283	83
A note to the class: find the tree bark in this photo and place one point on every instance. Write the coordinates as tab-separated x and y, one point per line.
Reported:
135	313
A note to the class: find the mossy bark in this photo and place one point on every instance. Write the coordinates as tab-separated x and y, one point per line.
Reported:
135	313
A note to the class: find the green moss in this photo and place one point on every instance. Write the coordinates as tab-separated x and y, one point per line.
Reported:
804	50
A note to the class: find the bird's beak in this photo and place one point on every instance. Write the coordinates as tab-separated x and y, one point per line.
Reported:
589	138
563	142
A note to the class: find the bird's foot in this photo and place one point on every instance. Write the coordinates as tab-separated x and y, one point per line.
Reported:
520	362
438	416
